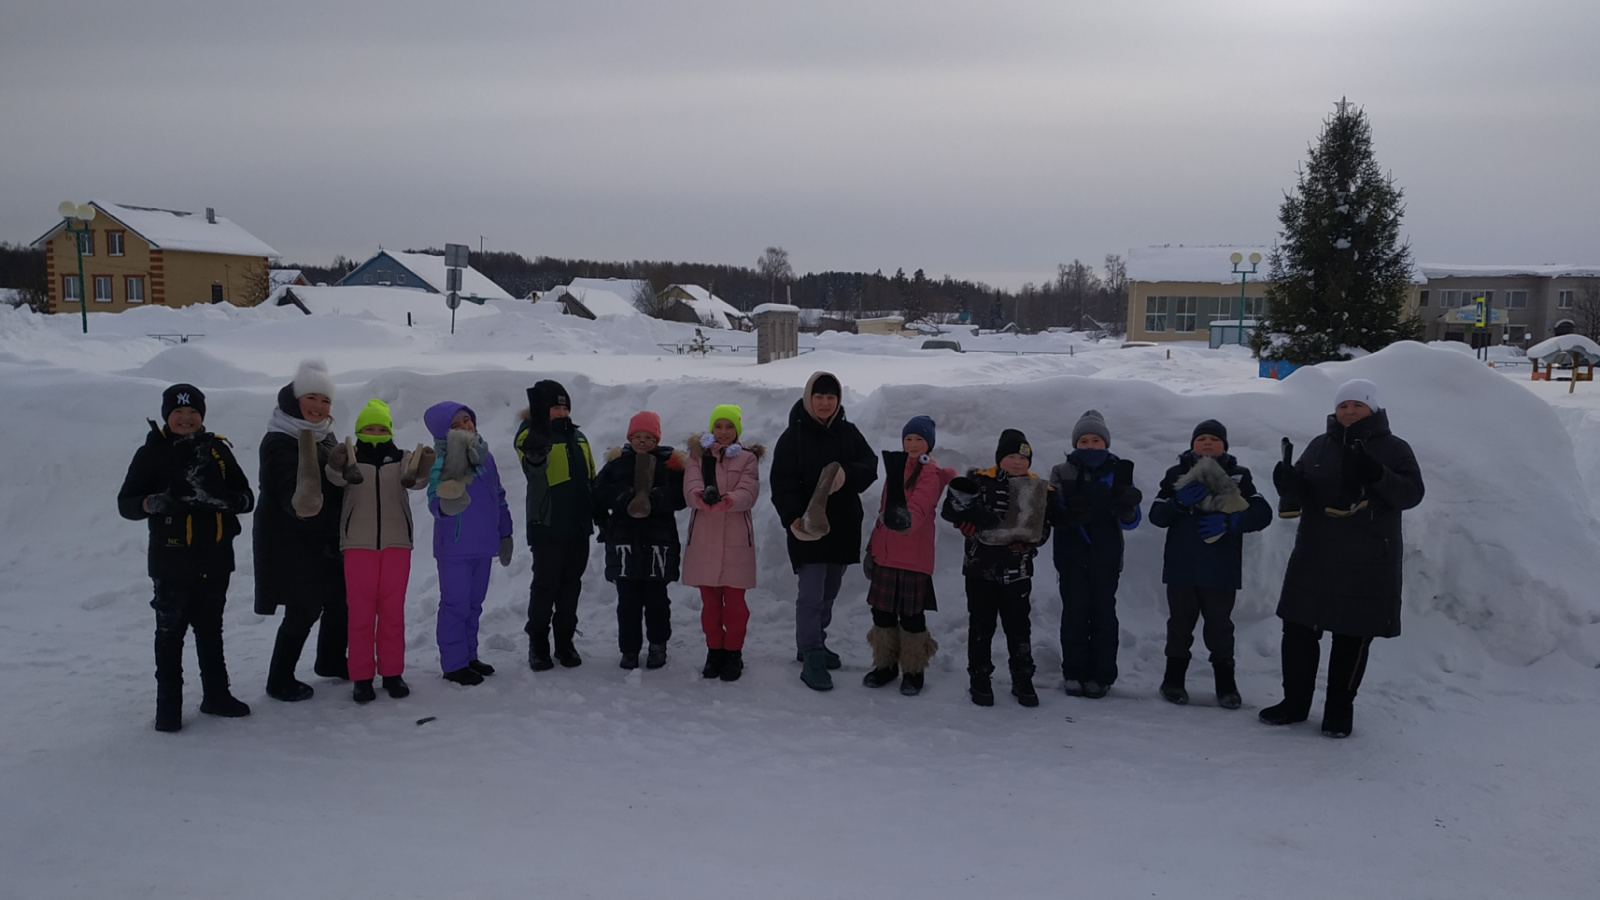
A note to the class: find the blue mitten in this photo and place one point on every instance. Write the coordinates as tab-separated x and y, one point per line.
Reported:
1211	527
1190	494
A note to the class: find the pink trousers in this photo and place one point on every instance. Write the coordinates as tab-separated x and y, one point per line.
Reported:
375	590
723	617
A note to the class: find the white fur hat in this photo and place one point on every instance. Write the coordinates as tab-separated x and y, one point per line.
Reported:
312	378
1359	390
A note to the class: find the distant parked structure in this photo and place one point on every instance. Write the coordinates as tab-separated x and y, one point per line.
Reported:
594	298
1525	303
140	255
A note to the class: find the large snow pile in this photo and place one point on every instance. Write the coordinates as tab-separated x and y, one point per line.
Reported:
598	782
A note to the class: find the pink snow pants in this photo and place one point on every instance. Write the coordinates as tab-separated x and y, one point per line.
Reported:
723	617
375	590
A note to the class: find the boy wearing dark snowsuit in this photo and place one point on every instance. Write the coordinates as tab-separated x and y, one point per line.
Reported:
559	467
1095	503
635	498
1207	503
999	576
296	536
185	482
471	529
822	516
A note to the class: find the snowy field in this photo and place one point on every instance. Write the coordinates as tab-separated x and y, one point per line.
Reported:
1470	773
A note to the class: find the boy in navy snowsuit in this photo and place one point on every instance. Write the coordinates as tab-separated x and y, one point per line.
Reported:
185	482
1207	503
559	466
1095	503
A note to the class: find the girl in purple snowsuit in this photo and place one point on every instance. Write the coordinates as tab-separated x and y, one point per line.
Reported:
472	525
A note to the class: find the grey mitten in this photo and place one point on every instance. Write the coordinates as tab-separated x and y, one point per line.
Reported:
505	550
307	499
644	478
420	464
815	520
342	459
460	460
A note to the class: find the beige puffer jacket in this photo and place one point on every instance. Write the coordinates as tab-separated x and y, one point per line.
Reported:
377	512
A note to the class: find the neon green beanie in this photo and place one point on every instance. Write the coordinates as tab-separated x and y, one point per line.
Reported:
376	412
730	412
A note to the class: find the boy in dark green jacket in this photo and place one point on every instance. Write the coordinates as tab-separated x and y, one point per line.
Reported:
560	469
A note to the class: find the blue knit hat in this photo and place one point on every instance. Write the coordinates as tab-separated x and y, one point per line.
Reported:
922	427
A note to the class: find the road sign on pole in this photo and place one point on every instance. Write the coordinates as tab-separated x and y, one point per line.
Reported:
456	255
1480	312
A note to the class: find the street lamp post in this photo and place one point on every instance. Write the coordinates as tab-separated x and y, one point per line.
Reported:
83	214
1244	276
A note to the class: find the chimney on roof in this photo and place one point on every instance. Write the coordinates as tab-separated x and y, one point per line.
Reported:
211	215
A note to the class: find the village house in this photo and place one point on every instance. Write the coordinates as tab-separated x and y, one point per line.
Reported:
138	255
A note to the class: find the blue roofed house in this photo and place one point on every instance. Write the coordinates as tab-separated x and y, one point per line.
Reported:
422	272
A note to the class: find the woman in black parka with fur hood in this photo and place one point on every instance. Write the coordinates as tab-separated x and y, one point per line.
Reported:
1348	490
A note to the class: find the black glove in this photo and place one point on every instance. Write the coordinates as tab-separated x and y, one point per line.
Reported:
1075	502
1367	469
1287	481
708	474
1124	498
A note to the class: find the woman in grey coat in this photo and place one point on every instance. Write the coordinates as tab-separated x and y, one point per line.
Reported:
1348	490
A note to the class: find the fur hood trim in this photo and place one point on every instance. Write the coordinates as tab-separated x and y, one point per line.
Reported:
1222	492
696	451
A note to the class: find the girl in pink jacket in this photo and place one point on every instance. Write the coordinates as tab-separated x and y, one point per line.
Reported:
900	560
721	484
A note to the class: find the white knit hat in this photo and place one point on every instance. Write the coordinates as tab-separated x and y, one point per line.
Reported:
312	378
1359	390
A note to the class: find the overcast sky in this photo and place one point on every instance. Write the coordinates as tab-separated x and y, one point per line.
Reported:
985	140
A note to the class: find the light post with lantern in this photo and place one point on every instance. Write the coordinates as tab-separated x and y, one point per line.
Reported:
82	214
1244	276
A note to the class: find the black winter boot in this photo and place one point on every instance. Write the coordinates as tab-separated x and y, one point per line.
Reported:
539	655
716	658
1022	677
216	700
1227	689
885	644
396	686
630	661
567	655
363	692
464	676
169	706
1172	689
1347	665
732	665
911	684
1302	654
982	689
656	657
896	514
281	683
482	668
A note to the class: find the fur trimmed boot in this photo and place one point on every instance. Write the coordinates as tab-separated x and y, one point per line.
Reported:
1172	689
896	514
916	649
1028	502
885	644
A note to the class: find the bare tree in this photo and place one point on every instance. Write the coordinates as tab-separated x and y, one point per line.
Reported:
257	286
774	264
1586	309
1115	288
646	300
1077	283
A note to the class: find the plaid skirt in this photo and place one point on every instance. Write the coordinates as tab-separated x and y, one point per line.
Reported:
900	591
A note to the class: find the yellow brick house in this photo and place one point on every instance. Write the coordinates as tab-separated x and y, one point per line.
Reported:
138	255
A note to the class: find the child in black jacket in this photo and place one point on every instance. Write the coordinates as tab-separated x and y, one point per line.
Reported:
1001	511
185	482
1207	503
636	497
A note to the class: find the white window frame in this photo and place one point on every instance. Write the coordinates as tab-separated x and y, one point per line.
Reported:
71	288
1564	299
114	243
106	280
85	242
1186	310
1516	299
133	288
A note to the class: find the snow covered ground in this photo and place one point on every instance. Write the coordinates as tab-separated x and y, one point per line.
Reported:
1468	774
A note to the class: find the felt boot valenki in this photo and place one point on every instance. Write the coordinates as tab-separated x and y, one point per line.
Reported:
716	658
916	648
814	672
1172	689
896	514
1287	483
1028	501
644	478
1227	689
813	526
885	644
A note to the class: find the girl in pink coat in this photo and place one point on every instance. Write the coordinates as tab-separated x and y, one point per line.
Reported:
721	484
900	560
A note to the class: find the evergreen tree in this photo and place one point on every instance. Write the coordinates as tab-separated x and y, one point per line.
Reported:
1339	273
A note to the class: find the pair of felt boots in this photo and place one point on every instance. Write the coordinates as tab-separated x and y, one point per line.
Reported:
899	653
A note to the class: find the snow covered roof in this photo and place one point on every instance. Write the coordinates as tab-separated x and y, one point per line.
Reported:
431	269
774	307
389	304
171	229
1547	270
1563	342
710	307
1204	265
285	276
603	296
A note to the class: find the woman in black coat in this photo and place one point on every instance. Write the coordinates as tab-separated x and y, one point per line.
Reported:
296	538
1348	490
818	436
